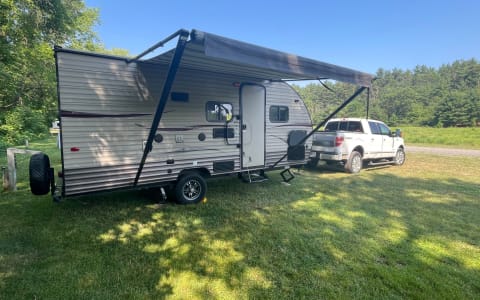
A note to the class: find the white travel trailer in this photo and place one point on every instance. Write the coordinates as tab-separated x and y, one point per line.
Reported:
210	106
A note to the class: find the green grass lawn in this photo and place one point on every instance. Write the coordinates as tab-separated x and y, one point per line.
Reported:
468	137
395	232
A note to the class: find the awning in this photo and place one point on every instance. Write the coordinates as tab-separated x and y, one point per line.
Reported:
213	53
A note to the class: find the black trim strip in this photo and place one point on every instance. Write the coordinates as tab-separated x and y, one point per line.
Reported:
293	125
78	114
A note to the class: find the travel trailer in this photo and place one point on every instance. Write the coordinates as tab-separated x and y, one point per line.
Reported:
210	106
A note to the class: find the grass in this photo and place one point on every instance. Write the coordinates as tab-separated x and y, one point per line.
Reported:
396	232
468	137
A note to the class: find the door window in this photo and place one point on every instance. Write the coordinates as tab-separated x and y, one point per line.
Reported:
218	112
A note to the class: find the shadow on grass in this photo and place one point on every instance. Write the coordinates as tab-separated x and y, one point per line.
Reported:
373	235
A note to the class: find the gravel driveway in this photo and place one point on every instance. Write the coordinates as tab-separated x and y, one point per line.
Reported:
444	151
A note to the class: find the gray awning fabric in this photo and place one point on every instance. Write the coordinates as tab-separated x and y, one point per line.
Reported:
210	52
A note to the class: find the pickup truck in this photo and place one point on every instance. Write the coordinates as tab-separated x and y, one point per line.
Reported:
355	142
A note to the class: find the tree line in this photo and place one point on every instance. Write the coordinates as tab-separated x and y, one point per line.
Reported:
447	96
444	97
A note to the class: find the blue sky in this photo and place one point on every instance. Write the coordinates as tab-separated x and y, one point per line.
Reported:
363	35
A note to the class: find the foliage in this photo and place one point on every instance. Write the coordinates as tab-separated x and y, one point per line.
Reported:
390	233
22	123
444	97
28	31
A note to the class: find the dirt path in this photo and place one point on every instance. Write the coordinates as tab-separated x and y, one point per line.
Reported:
444	151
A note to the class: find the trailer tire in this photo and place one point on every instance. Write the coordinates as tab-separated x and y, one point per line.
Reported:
191	188
354	163
39	173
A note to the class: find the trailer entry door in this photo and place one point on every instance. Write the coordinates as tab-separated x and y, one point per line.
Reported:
252	99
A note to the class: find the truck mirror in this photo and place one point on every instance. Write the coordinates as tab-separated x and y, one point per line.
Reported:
398	133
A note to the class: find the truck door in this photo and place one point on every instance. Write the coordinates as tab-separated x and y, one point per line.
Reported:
252	101
376	140
388	142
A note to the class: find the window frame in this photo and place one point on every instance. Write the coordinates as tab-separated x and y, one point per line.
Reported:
223	118
277	107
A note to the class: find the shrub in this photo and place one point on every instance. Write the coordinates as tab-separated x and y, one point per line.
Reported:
23	123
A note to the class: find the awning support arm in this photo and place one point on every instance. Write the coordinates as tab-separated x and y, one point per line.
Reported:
159	44
345	103
167	86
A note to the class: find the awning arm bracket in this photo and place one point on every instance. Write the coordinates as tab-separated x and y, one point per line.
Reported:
159	44
345	103
167	86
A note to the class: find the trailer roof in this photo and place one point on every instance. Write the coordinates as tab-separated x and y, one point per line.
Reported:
210	52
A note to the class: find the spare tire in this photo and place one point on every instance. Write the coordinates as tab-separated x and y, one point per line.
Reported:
39	174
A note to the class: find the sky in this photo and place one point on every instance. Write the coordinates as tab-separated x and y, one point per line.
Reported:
362	35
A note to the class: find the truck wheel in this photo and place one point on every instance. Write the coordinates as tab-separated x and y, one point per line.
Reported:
190	189
39	170
354	163
399	157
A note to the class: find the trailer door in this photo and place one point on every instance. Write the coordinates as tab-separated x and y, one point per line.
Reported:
252	99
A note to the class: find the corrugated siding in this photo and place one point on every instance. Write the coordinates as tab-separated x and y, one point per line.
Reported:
279	93
111	147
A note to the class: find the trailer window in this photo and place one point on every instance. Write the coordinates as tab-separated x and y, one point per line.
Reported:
218	112
278	114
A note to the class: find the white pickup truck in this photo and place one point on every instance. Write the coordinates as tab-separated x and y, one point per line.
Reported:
355	142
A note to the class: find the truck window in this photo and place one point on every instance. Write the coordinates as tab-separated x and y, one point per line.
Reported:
384	130
331	126
343	126
374	127
354	126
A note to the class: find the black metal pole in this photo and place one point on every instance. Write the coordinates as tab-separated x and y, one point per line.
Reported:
368	102
345	103
159	44
167	86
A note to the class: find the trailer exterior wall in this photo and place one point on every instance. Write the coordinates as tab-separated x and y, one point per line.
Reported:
106	110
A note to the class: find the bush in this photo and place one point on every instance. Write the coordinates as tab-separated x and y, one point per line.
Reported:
23	123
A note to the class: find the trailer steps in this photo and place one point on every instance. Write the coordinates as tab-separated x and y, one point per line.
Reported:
253	176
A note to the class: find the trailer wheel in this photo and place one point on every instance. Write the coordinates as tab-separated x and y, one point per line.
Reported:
191	188
354	163
399	157
39	170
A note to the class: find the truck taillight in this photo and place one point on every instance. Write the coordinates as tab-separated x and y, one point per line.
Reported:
338	141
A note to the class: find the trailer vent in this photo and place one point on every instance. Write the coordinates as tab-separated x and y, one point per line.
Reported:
179	97
223	133
223	166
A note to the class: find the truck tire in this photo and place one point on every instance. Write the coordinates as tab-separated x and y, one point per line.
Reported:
39	170
399	157
191	188
354	163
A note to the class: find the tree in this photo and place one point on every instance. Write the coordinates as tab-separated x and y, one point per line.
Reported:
28	31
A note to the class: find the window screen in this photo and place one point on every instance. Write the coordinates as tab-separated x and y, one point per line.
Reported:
278	113
218	112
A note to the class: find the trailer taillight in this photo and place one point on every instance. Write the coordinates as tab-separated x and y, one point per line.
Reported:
338	141
74	149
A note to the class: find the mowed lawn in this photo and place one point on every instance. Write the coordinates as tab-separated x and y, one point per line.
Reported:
394	232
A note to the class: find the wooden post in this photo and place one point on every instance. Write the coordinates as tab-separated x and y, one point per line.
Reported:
12	171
